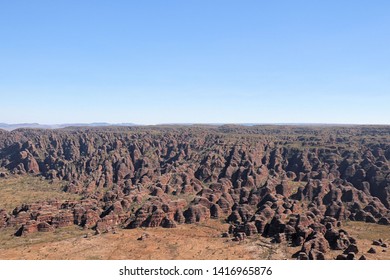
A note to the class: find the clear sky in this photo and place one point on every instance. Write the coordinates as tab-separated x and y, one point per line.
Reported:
214	61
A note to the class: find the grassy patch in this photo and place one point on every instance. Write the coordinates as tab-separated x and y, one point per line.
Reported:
17	190
296	185
8	240
367	231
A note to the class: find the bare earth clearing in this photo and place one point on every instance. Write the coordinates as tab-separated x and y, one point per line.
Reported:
186	242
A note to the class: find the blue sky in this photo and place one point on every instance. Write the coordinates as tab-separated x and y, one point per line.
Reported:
219	61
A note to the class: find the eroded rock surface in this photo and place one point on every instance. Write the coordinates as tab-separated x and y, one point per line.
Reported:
291	184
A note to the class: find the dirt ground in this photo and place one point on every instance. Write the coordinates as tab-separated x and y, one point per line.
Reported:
365	233
186	242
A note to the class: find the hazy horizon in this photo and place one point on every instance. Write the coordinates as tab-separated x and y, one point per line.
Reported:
161	62
98	124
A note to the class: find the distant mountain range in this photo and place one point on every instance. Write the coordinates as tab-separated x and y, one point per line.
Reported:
9	127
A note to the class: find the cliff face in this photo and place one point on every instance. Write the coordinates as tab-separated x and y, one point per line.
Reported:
268	180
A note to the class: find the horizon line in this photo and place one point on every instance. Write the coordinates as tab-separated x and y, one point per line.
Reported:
97	124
